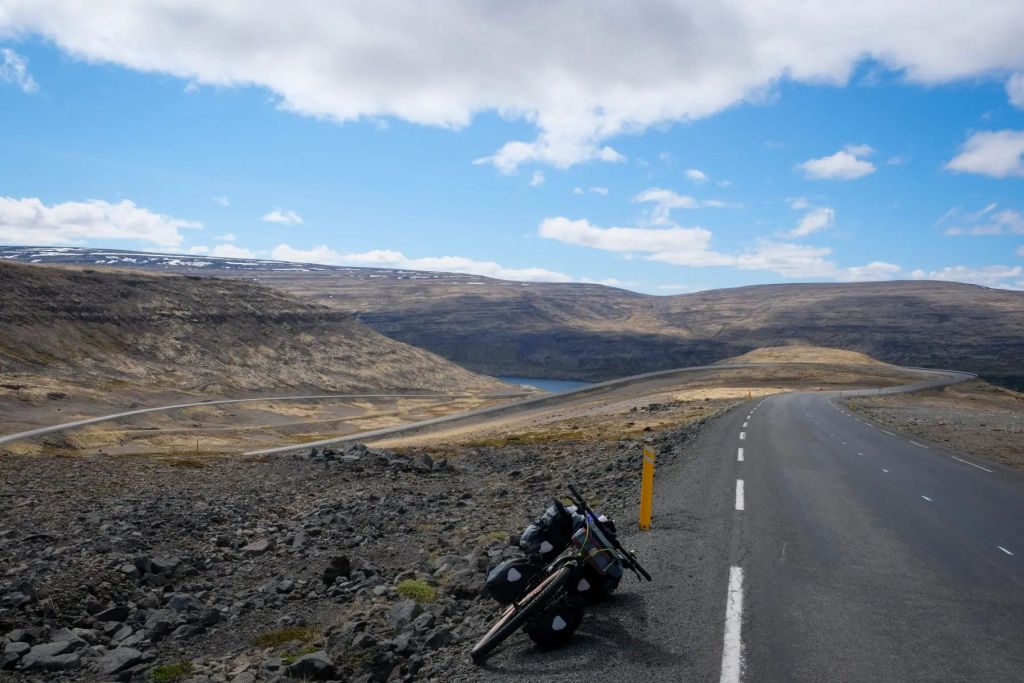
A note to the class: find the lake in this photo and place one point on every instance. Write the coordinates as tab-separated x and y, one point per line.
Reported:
554	386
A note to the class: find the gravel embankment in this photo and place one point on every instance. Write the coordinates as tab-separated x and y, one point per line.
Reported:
267	569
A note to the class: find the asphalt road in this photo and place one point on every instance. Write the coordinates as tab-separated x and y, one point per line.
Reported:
848	553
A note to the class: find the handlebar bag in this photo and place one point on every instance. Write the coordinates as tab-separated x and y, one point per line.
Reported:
509	580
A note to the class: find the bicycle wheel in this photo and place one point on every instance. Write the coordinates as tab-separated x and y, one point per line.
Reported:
516	616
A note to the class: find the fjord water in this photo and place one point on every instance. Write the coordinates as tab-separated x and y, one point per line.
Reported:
554	386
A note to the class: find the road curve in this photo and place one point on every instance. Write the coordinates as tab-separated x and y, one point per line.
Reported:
5	438
828	548
553	400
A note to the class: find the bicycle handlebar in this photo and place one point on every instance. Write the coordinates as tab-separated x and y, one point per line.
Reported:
631	560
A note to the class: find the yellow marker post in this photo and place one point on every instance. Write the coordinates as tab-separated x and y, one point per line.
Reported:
647	489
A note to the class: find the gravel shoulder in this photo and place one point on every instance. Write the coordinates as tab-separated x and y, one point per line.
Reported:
973	417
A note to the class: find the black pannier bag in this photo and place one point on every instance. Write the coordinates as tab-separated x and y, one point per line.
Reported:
549	535
593	586
555	625
507	582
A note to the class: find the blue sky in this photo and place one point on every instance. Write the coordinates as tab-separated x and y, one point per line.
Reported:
865	166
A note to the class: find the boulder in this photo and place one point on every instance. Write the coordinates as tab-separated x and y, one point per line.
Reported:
258	547
403	613
43	652
316	666
120	659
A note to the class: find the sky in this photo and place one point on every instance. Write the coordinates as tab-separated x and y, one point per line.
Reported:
663	147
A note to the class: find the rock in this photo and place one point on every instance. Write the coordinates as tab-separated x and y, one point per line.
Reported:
120	659
244	677
314	667
63	635
183	602
162	621
18	648
8	660
439	638
70	660
340	567
45	651
258	547
20	634
15	599
403	613
119	613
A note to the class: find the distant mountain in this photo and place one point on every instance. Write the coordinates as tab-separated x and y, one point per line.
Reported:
141	333
581	331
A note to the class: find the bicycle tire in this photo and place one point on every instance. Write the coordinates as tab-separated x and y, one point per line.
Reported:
515	617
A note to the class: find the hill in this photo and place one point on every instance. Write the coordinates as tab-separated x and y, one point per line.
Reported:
135	333
583	331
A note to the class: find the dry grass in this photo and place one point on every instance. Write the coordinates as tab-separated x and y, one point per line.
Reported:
803	354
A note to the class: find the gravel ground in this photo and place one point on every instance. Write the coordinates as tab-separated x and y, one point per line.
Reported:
974	417
358	564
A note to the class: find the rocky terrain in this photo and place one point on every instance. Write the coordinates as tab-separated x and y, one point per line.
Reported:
354	564
581	331
73	337
974	417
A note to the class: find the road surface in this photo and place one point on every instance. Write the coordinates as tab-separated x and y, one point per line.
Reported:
829	548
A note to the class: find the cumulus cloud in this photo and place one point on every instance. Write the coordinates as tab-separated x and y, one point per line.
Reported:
846	164
658	62
692	247
666	200
14	70
226	237
993	153
232	251
222	200
876	270
386	258
31	222
813	221
283	217
696	175
1005	277
1015	90
537	179
603	191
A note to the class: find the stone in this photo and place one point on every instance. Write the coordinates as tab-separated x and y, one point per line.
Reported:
339	567
15	599
258	547
45	651
118	613
183	602
403	613
162	621
8	660
70	660
314	667
18	648
439	638
120	659
63	635
244	677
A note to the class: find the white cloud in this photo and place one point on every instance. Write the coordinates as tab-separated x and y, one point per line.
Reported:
14	70
988	221
724	183
696	175
813	221
577	190
603	191
386	258
199	249
283	217
876	270
666	200
222	200
897	160
31	222
659	61
992	153
987	276
1020	251
1015	90
537	179
232	251
692	247
798	203
226	237
846	164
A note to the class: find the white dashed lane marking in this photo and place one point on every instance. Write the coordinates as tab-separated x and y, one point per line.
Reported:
927	498
739	494
1005	550
739	455
916	443
885	470
732	646
743	436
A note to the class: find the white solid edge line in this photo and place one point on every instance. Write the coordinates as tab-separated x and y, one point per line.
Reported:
743	435
885	470
968	462
888	432
1005	550
739	495
916	443
732	641
739	455
927	498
